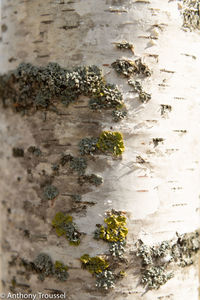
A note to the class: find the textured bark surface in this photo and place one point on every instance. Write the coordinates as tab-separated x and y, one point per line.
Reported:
160	196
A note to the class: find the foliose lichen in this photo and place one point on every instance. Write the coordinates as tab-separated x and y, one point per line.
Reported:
94	265
76	197
115	229
50	192
60	271
144	97
78	164
65	226
154	277
186	246
32	86
105	280
92	179
109	97
87	146
156	259
118	115
124	45
34	150
137	88
130	68
191	14
111	142
117	249
114	233
65	159
43	265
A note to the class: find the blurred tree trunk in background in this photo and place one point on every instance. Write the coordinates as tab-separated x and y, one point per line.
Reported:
155	182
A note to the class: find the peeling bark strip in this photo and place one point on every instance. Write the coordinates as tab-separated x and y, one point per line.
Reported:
63	172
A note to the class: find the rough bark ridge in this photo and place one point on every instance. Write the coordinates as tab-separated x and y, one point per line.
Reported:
155	183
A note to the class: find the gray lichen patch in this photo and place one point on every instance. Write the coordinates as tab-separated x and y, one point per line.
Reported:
105	280
43	265
130	68
144	97
34	150
137	88
109	97
118	115
78	164
87	146
191	14
124	45
92	179
60	271
156	259
154	277
50	192
40	87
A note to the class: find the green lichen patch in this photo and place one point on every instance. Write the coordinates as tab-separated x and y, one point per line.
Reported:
191	14
128	68
118	115
115	229
18	152
94	265
92	179
50	192
38	87
65	226
124	45
60	271
43	265
87	146
109	97
154	277
78	164
111	142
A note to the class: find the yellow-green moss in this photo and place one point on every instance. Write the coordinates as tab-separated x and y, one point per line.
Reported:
111	142
64	225
94	265
115	230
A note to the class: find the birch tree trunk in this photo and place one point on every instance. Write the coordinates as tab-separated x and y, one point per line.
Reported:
155	183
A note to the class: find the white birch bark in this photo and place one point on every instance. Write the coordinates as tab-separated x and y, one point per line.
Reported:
161	196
